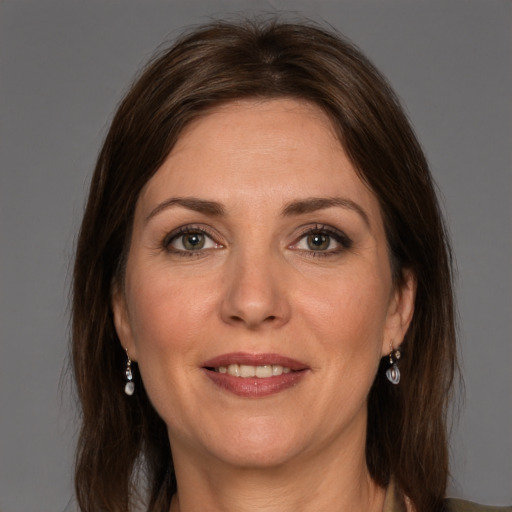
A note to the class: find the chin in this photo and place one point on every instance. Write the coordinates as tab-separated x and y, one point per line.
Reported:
257	456
256	444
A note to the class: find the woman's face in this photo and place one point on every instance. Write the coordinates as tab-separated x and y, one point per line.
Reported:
258	297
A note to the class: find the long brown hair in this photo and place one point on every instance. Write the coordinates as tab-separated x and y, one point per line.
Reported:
123	444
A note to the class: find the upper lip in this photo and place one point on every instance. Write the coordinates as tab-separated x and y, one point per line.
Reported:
254	360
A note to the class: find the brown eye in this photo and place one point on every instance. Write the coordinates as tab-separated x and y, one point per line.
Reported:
189	241
193	241
323	241
318	242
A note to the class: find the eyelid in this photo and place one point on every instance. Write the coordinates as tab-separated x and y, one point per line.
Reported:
188	229
339	236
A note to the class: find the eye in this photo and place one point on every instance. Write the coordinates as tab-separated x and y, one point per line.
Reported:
323	240
318	242
189	239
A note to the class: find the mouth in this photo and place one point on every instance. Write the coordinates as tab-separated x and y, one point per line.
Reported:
254	375
246	371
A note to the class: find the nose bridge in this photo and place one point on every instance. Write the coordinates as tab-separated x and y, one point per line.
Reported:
254	293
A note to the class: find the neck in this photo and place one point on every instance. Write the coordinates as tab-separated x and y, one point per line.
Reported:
270	496
335	479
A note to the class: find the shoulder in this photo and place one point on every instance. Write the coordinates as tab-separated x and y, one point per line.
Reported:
456	505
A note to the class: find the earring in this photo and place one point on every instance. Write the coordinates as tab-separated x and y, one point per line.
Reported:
393	373
130	386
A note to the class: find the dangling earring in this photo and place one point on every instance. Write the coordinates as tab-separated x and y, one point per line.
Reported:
130	386
393	373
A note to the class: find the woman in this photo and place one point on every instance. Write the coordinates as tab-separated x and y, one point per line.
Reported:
263	314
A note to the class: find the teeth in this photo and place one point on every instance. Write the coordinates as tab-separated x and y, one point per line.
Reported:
264	371
277	369
247	371
234	369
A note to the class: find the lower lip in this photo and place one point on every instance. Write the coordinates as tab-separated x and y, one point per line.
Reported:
253	387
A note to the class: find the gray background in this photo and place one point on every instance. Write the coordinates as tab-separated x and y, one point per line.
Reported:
64	66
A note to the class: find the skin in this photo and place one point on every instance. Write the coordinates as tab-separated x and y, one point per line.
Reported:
258	286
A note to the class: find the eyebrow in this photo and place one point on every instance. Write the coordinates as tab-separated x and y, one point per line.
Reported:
190	203
314	204
298	207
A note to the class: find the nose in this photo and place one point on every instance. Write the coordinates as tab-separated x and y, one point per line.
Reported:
256	294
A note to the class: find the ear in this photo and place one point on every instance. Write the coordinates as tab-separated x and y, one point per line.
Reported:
122	321
400	312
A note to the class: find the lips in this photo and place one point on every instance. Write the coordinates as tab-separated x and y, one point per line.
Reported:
245	371
254	375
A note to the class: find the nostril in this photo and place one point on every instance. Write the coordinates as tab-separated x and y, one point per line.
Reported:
252	322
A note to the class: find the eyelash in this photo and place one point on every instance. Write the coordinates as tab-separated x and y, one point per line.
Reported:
182	231
319	229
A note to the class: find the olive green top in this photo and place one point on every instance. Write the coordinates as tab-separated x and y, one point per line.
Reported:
395	502
454	505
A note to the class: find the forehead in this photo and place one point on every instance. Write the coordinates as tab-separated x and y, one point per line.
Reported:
281	124
250	151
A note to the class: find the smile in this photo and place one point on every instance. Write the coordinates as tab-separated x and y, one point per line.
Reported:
246	371
254	375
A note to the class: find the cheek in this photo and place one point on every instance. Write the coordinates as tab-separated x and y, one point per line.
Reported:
169	320
349	314
164	316
164	310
